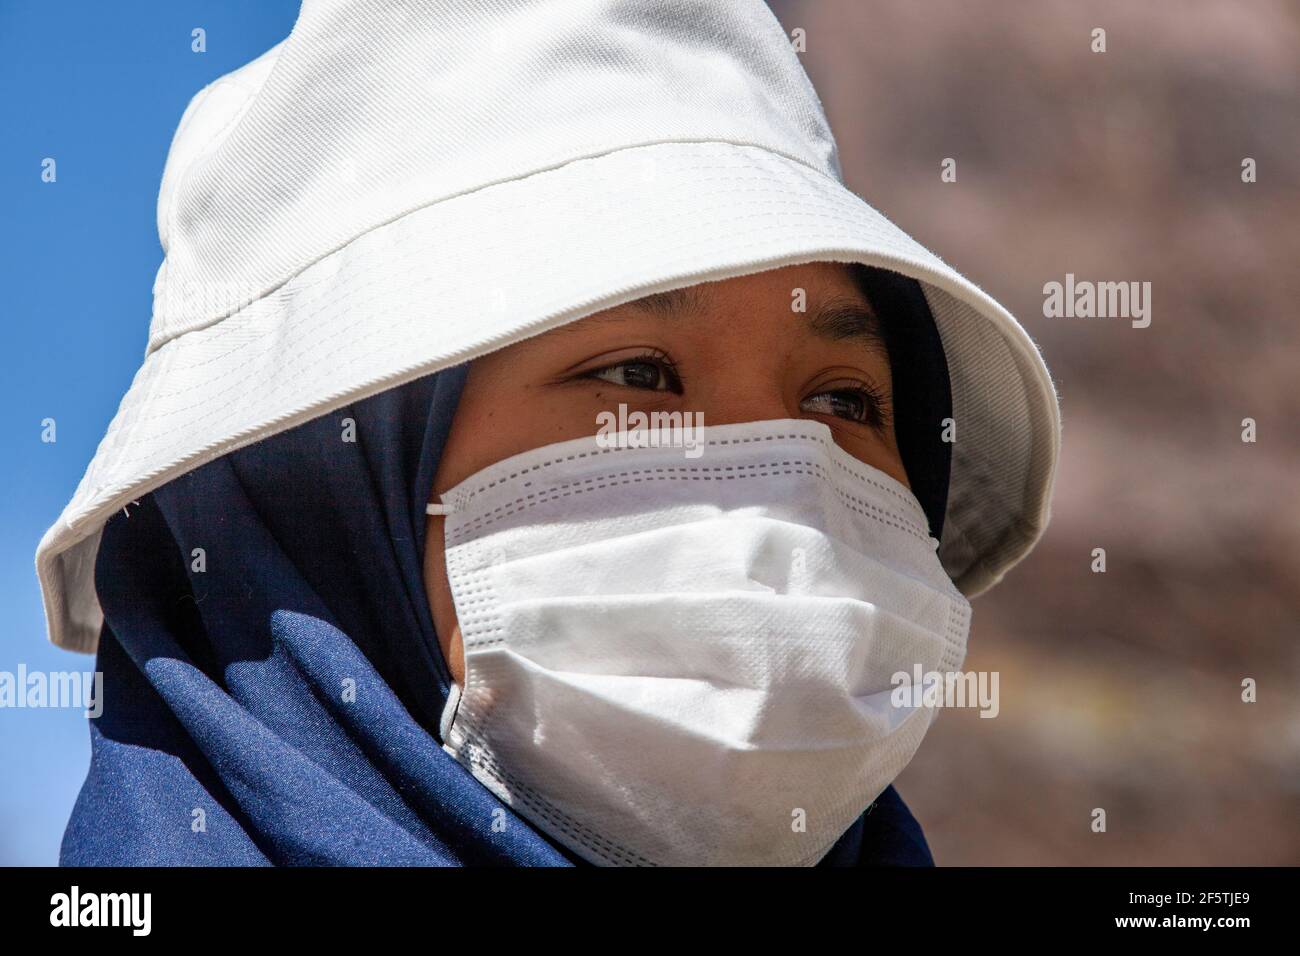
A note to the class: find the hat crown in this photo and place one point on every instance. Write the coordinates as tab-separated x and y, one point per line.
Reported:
370	110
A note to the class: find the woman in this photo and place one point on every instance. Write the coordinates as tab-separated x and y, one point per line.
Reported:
368	581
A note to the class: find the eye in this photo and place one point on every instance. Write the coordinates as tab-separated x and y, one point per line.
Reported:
650	372
859	403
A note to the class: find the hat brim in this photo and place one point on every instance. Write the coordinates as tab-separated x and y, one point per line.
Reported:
481	270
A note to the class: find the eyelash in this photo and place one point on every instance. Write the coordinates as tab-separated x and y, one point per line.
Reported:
875	412
666	366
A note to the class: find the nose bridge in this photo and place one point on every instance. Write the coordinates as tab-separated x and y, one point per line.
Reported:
743	369
749	392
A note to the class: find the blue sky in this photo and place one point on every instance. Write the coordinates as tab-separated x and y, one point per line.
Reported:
100	92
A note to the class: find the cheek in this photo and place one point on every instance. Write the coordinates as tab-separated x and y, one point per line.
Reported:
498	417
880	452
893	459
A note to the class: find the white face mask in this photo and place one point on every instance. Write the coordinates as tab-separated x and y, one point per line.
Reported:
684	661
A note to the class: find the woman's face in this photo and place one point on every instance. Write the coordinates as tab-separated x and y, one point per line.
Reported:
796	342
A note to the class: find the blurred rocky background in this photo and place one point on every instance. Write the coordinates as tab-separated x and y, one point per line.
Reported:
1119	690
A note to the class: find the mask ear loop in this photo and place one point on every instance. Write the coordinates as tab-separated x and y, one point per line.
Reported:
449	711
452	704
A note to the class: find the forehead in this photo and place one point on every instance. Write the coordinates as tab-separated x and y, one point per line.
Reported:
826	297
811	279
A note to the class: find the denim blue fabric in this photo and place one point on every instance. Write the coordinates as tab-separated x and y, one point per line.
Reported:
280	706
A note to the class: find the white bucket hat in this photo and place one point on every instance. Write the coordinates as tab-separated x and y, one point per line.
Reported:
399	187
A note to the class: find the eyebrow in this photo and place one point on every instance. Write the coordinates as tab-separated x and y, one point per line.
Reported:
839	319
848	319
672	303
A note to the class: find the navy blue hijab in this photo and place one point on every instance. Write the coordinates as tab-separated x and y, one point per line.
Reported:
280	705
